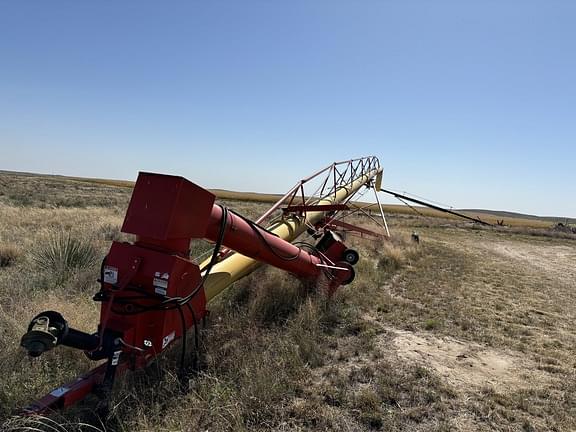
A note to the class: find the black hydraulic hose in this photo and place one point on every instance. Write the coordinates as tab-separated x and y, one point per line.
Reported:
183	349
196	335
214	258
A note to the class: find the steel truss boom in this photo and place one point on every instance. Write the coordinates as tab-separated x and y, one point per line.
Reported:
338	183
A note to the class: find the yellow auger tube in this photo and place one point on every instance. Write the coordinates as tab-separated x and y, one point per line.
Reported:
236	266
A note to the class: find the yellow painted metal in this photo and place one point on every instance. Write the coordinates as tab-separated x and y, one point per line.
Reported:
237	266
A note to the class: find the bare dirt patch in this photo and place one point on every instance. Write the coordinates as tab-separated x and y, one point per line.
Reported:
463	364
558	261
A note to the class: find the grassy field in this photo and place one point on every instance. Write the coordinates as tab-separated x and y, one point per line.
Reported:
508	218
472	329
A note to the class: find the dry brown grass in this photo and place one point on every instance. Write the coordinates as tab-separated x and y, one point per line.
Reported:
8	255
89	193
43	423
26	287
472	329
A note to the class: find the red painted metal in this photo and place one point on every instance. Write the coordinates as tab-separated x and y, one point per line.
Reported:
335	178
255	242
332	246
163	207
141	314
159	275
70	393
167	211
336	224
328	186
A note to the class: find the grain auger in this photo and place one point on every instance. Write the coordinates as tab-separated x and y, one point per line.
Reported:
152	293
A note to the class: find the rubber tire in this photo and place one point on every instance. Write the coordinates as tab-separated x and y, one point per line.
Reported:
350	256
351	278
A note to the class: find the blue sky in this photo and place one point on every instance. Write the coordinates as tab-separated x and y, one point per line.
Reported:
471	103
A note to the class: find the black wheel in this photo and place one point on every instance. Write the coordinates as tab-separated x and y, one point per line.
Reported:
351	278
350	256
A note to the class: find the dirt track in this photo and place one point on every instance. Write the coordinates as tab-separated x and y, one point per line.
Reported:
554	261
520	295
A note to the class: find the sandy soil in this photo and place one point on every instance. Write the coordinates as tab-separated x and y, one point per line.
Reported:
463	364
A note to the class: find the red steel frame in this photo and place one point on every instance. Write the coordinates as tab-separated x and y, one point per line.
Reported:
142	282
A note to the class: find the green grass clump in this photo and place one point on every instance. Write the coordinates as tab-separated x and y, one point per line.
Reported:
63	253
431	324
